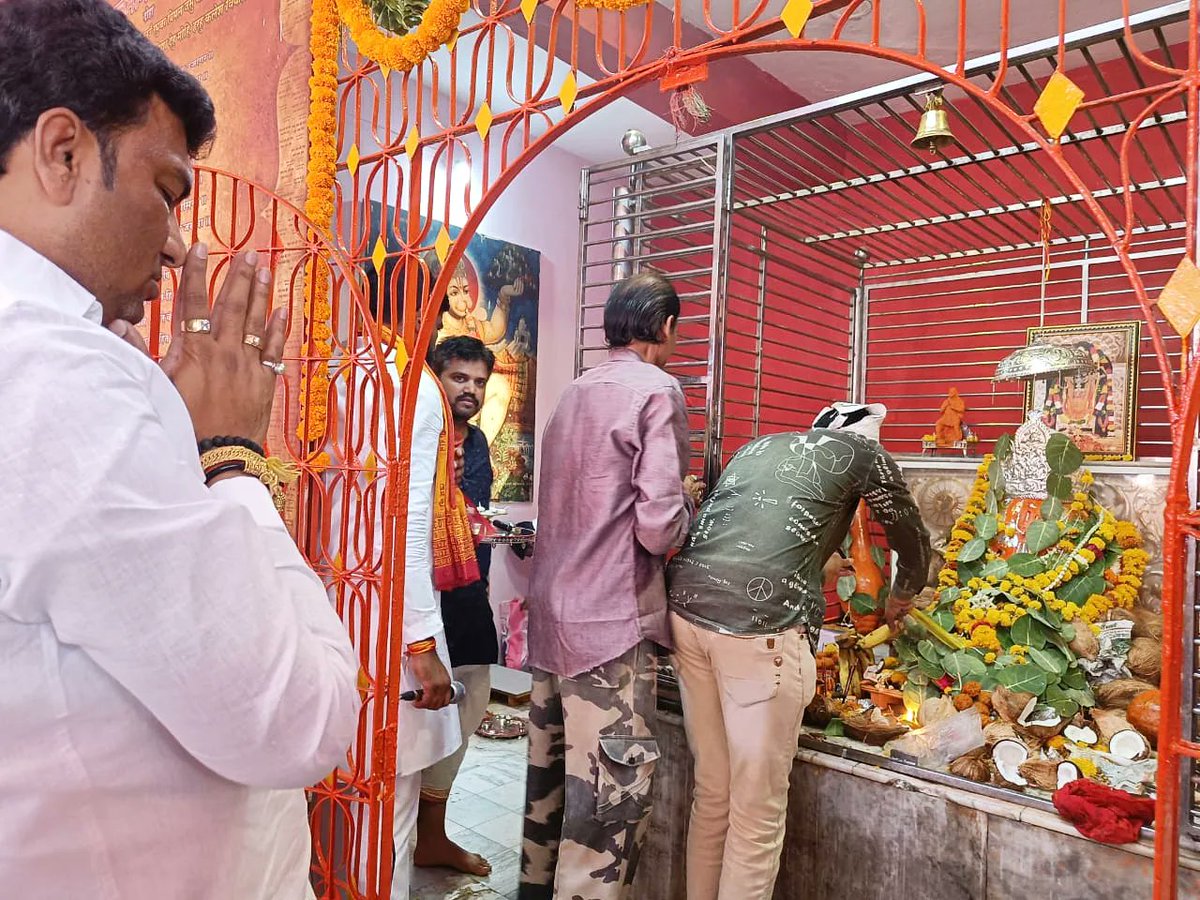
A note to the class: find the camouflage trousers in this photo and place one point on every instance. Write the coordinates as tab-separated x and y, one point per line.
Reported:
592	754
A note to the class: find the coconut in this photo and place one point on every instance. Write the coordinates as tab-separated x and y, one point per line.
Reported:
1117	694
1039	722
1081	734
1129	744
1008	757
972	765
1009	705
999	731
819	713
1109	722
1068	772
1085	644
1147	624
1145	658
1041	773
1118	615
1144	712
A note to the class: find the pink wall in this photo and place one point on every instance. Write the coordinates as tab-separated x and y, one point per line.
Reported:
541	210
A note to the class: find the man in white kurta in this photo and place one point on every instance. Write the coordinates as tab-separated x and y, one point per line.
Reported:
171	675
424	736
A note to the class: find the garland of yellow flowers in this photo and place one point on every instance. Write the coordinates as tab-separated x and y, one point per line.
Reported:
402	52
318	207
1038	591
437	27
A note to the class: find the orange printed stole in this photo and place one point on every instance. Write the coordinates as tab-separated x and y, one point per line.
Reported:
454	562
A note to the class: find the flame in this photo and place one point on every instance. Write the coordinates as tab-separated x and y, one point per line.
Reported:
911	706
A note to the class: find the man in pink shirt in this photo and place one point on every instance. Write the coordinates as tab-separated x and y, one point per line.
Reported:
614	500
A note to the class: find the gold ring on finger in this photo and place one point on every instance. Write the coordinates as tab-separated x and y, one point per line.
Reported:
277	367
253	340
197	326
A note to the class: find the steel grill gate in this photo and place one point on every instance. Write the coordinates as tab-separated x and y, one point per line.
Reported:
659	211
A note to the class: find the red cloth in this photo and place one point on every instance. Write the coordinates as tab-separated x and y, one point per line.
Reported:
1102	813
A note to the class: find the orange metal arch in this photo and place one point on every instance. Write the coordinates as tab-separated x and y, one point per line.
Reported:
1181	388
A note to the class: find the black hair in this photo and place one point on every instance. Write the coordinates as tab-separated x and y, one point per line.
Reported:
465	348
85	56
638	308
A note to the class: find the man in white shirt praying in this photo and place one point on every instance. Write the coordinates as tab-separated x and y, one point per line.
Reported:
172	673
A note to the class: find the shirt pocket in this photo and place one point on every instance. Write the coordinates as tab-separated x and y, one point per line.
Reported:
623	778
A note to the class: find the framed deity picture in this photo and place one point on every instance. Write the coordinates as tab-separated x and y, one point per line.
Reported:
1097	409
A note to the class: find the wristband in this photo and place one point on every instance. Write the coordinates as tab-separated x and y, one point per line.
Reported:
273	473
211	475
418	647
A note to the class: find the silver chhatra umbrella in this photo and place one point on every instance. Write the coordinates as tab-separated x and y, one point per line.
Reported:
1040	360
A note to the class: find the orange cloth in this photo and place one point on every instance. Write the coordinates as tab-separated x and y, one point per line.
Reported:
454	563
1019	513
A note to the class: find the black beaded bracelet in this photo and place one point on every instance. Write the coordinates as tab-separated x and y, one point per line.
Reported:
229	441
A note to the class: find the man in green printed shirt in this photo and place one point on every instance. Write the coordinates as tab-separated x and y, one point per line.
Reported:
746	599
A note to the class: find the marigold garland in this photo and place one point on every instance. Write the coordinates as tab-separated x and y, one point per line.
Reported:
402	52
318	207
1075	553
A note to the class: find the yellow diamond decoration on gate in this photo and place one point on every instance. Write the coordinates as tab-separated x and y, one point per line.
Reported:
568	93
385	70
412	142
795	15
401	351
1057	103
379	256
371	467
483	121
352	159
452	40
442	244
529	7
1179	301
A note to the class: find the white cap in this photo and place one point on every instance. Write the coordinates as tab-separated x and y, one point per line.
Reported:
859	418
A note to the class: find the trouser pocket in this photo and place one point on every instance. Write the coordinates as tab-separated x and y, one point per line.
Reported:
624	773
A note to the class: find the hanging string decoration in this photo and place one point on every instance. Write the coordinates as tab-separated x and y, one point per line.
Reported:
688	109
1046	215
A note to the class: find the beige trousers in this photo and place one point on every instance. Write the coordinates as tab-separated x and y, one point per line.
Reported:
438	779
743	702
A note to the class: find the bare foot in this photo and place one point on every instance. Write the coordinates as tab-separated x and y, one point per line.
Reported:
448	855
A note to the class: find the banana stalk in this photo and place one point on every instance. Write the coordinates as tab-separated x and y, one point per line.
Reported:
884	632
876	637
954	641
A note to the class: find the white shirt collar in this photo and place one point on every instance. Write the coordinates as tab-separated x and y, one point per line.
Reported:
28	277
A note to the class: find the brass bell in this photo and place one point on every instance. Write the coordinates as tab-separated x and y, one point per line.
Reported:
933	132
